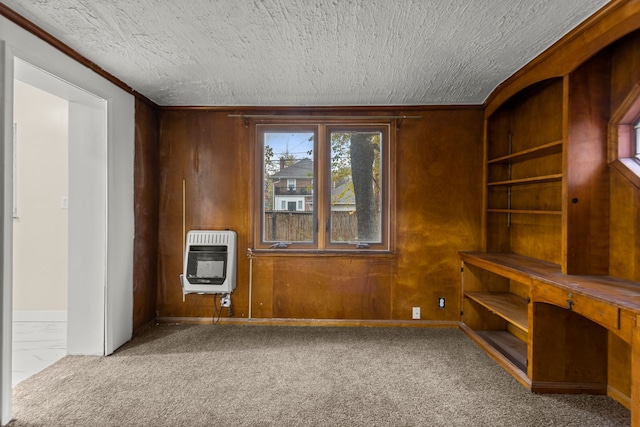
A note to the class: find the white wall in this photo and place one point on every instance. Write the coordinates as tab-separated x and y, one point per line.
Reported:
40	232
87	241
116	225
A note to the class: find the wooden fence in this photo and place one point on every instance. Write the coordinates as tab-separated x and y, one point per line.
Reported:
281	226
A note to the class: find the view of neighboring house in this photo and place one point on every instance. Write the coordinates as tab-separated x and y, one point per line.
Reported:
293	186
293	189
343	197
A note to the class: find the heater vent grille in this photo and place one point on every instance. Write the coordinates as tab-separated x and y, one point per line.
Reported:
208	237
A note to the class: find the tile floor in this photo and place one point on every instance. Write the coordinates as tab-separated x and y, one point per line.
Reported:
36	345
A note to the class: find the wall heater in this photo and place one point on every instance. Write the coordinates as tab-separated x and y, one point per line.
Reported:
209	262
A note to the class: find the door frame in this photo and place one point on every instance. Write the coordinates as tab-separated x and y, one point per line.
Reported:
118	225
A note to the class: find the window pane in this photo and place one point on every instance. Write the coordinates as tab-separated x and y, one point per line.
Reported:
356	185
637	127
288	187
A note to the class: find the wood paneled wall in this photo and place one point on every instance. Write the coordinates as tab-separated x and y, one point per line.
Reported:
146	193
438	197
624	236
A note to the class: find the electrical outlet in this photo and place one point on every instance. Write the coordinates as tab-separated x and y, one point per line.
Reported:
415	313
225	300
441	303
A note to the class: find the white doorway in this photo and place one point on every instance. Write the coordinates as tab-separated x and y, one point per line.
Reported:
101	205
79	200
40	226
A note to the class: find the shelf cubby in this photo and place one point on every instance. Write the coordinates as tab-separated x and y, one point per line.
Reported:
508	306
531	153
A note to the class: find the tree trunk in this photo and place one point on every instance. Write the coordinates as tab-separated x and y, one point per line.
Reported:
362	157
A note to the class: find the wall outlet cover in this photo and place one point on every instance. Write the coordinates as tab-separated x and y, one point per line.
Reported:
415	313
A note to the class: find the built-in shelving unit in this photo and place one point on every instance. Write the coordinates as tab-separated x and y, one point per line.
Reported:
525	143
511	302
538	297
524	146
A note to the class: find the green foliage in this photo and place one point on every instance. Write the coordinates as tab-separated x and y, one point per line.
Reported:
341	159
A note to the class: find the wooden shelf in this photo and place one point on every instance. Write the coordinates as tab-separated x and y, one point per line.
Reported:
532	153
525	211
512	266
531	180
510	307
508	345
613	290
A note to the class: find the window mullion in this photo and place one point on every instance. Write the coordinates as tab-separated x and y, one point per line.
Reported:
321	194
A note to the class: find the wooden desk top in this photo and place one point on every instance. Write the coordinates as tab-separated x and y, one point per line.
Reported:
622	293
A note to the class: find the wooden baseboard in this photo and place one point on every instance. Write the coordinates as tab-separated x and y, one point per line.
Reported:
557	387
312	322
139	330
619	397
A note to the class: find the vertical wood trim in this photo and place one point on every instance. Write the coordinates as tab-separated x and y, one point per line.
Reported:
564	254
248	133
255	224
322	183
390	222
485	191
635	377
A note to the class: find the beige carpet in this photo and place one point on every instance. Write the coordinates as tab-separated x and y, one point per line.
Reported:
230	375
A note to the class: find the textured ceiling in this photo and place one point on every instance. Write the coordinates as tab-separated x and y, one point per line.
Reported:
309	52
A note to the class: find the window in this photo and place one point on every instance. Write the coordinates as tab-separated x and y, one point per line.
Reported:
323	186
624	137
636	126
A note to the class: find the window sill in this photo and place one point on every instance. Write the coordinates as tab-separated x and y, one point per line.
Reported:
629	169
266	253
